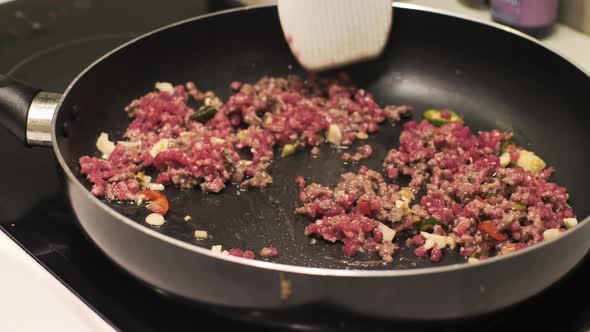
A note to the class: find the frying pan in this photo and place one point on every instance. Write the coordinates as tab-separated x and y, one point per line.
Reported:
496	77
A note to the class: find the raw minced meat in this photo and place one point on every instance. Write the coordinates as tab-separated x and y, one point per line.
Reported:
164	136
468	196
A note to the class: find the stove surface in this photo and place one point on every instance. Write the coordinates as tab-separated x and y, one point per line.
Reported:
46	44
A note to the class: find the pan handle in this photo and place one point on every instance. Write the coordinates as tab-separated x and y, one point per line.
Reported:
27	112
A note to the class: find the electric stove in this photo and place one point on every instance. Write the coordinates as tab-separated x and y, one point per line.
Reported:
46	44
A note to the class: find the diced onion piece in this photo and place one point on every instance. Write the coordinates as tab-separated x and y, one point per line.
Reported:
201	235
217	248
217	140
530	161
128	144
334	135
401	204
155	219
155	186
160	146
165	87
104	145
406	194
225	252
439	240
187	218
428	244
570	222
451	242
472	260
551	234
505	159
388	233
362	135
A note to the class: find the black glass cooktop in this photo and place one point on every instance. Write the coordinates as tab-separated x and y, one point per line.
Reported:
46	43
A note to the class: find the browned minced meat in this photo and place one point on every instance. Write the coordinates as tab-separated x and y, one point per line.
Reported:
362	152
466	191
351	212
249	254
269	252
466	186
255	119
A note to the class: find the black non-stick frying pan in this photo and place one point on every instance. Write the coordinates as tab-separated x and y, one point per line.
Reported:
496	78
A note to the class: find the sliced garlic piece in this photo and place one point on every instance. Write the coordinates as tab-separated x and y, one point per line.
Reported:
200	235
155	219
551	234
570	222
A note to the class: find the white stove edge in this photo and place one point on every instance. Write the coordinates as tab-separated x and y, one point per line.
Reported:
34	300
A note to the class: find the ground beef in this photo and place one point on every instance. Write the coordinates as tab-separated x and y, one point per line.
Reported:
249	254
353	210
269	252
163	136
485	208
362	152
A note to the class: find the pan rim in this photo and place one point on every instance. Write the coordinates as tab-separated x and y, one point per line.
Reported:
279	267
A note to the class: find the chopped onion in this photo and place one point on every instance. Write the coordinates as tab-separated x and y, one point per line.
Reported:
216	248
104	145
217	140
155	186
128	144
472	260
160	146
201	235
388	233
165	87
439	240
334	135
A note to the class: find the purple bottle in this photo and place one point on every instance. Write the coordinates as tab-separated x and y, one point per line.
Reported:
534	17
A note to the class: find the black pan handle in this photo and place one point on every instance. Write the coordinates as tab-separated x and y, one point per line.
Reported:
15	101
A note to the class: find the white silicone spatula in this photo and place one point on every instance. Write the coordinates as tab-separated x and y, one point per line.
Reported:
324	34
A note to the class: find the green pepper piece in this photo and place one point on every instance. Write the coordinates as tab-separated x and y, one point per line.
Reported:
204	114
482	252
505	143
290	149
519	207
434	117
428	225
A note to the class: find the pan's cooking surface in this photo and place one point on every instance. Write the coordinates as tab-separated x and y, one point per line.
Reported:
257	218
420	67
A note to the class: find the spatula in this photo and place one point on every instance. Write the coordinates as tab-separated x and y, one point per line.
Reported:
325	34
